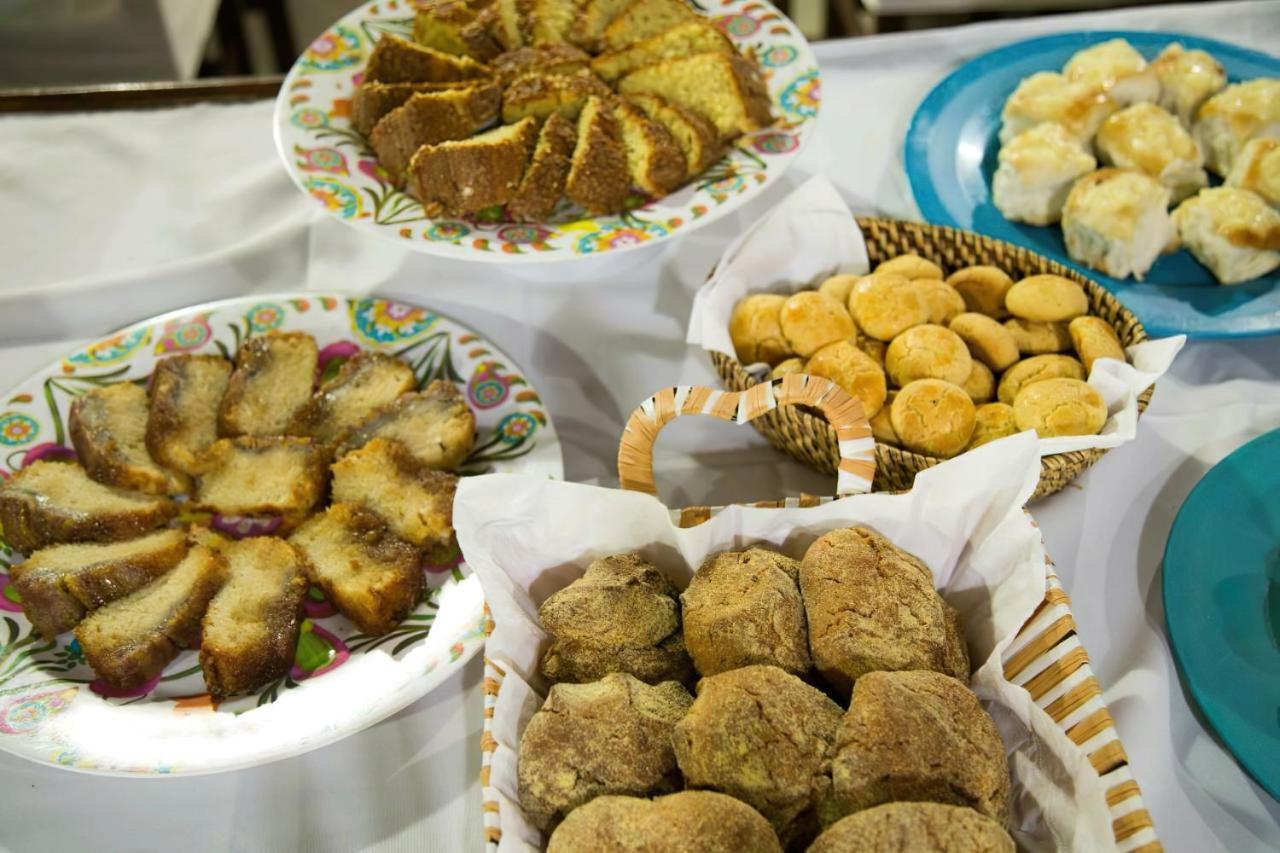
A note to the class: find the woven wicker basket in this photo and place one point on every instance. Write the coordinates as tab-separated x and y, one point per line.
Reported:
812	441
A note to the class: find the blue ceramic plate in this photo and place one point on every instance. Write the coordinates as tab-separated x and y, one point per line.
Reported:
1222	603
950	157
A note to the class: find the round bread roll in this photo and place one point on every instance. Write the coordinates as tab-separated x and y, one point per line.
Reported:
933	417
744	608
854	371
1093	339
927	352
992	421
686	822
983	289
786	367
919	736
620	616
1035	338
911	265
561	765
811	320
872	347
756	331
763	736
1035	369
980	384
839	286
987	340
856	585
882	426
914	828
887	305
1060	407
1047	299
941	298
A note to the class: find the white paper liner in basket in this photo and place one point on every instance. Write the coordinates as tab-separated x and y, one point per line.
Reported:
812	234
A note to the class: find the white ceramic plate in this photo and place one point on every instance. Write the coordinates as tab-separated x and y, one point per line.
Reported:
52	710
330	161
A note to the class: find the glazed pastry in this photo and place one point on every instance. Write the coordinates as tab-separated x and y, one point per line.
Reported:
933	417
1144	138
364	383
435	424
992	421
1035	338
910	266
928	352
1257	169
755	329
987	340
1050	97
1036	369
1117	222
1047	299
887	305
982	288
273	379
980	384
415	501
1231	231
1037	170
283	476
943	301
1116	68
915	828
854	371
182	419
1093	338
1055	407
1187	79
684	822
1232	117
811	320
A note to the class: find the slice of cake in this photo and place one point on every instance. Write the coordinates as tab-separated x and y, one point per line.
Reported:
588	30
451	26
510	27
428	118
1118	222
1231	231
250	632
366	382
182	419
415	501
260	475
696	136
469	175
654	160
1148	139
372	576
539	95
548	59
396	60
696	35
434	424
598	178
643	18
727	90
273	378
108	427
130	641
60	584
372	101
1037	169
543	182
552	20
49	503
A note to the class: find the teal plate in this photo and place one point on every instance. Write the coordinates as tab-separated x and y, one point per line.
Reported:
1222	603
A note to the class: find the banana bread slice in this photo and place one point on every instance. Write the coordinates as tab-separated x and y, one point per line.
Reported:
274	376
726	89
250	632
696	136
435	424
543	182
108	428
548	59
372	101
451	26
654	160
372	576
186	391
431	117
588	30
641	19
49	503
61	583
396	60
365	383
468	175
130	640
540	94
598	178
415	501
696	35
280	475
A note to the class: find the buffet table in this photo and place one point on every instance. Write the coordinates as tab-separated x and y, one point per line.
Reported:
112	217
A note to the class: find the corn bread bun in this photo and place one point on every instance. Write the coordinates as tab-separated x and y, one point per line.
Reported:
928	352
856	584
839	286
983	289
914	828
992	421
910	265
763	736
919	736
786	367
755	330
611	736
980	384
854	371
684	822
811	320
887	305
743	608
1093	339
1035	338
987	340
941	299
1036	369
882	425
1046	299
1187	78
933	417
1060	407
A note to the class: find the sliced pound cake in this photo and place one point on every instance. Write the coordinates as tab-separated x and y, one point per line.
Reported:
273	378
696	35
108	427
395	60
510	25
640	19
450	26
182	420
552	20
598	178
129	641
539	95
365	382
372	576
435	424
250	632
431	117
49	503
372	101
697	137
654	160
548	59
261	475
588	30
727	90
469	175
415	501
543	182
60	584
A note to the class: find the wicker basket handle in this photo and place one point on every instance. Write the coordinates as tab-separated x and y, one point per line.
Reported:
844	413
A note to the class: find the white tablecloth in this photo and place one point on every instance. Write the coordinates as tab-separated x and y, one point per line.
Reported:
112	217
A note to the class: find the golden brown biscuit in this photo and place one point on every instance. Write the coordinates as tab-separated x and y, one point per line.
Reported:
1035	369
1060	407
755	330
992	421
1035	338
912	266
933	417
684	822
786	367
943	300
882	426
811	320
915	828
839	286
980	384
987	340
1046	299
983	289
872	347
854	371
1094	338
885	306
928	352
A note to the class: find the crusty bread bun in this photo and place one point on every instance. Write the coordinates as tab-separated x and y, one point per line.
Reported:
684	822
915	828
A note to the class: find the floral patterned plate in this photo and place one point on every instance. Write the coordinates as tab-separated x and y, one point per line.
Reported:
331	162
53	710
